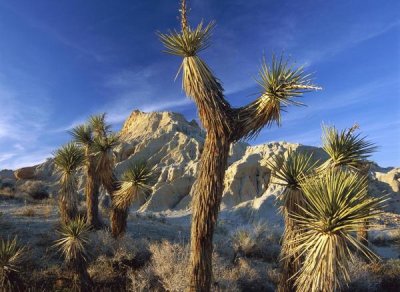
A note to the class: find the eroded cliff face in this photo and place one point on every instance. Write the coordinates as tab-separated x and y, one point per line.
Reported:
174	145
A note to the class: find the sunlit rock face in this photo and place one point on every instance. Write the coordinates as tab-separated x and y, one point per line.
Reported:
173	146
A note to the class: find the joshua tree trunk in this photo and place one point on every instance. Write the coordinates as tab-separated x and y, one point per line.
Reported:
118	220
118	216
290	263
206	201
224	125
92	198
83	280
68	210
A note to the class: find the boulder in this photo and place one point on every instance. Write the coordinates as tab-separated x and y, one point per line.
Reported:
26	172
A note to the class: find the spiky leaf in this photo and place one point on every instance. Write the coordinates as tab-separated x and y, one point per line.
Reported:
74	240
135	180
336	204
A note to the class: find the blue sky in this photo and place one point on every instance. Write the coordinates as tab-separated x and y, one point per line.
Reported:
61	61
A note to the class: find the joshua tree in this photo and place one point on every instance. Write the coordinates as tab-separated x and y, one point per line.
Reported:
103	148
336	203
73	245
349	151
135	180
289	172
67	159
279	83
83	136
11	258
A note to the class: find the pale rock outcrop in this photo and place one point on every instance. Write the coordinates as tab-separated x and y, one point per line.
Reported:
173	146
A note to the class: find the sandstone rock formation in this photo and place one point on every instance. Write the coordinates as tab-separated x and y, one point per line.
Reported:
173	146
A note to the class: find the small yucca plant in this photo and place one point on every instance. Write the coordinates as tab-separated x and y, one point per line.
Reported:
73	244
336	204
11	259
136	180
289	172
67	160
345	148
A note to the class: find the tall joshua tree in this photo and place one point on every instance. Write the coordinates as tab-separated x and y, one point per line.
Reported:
289	172
279	83
67	159
104	142
83	136
103	148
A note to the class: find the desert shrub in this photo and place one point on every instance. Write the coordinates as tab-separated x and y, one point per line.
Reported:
256	240
170	260
381	276
143	280
7	184
37	190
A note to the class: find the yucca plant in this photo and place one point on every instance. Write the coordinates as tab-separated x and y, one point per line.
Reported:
336	203
280	83
83	136
99	125
345	148
289	171
73	244
135	181
12	256
67	160
349	151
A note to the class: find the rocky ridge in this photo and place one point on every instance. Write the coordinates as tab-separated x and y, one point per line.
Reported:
174	145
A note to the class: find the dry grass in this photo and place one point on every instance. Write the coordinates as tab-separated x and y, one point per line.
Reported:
384	276
169	268
257	240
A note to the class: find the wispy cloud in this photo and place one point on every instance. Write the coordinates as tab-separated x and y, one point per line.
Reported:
24	116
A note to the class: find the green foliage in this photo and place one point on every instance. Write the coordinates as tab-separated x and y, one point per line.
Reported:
188	42
11	259
68	158
136	179
82	135
99	126
74	240
280	83
291	170
345	148
336	204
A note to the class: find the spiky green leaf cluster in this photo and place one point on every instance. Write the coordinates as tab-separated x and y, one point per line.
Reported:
74	240
82	135
135	180
336	204
291	170
345	148
280	83
189	42
11	255
99	126
68	158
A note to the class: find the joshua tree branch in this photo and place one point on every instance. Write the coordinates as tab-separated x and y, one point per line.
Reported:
265	110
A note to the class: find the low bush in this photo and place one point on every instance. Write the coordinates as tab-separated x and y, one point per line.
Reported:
37	190
257	240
